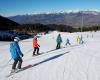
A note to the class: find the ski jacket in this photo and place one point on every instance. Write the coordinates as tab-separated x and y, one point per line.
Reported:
35	43
67	40
15	50
59	39
78	39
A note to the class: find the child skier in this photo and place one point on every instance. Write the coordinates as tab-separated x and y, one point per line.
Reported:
78	39
81	40
59	41
16	54
35	45
67	41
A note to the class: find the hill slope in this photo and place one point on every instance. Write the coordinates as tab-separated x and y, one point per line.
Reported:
5	23
75	62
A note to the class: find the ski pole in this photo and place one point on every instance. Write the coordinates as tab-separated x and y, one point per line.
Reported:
6	63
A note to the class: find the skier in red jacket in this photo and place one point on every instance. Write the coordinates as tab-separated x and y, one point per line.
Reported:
35	45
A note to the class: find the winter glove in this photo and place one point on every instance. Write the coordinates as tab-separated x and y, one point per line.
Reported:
22	54
38	45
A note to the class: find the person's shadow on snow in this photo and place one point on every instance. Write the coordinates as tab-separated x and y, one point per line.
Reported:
36	64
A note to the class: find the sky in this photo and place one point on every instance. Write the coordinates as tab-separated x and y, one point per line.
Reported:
20	7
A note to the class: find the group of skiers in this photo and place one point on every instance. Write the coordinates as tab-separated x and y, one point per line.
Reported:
80	40
59	41
17	54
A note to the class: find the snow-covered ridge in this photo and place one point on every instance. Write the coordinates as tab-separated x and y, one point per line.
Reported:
95	12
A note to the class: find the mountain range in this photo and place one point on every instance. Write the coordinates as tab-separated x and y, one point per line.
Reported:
75	19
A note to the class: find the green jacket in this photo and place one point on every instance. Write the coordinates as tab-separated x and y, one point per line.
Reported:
59	39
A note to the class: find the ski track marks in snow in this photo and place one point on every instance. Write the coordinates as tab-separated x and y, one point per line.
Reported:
54	51
81	63
55	54
38	63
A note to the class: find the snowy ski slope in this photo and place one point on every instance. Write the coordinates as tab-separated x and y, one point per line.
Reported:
75	62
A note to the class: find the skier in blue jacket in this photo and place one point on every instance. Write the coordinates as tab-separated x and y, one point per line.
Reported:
68	41
16	54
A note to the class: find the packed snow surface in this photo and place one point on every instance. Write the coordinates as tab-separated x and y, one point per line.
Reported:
71	62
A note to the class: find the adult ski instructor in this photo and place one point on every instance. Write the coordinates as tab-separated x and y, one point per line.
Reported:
16	54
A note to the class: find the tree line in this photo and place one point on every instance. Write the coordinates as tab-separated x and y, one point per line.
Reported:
29	29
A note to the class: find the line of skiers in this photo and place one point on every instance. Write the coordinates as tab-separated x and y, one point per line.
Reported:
59	41
17	55
80	40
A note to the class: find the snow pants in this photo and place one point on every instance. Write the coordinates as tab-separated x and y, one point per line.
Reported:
17	61
58	46
36	49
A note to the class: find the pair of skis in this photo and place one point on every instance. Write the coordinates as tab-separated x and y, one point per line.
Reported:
17	71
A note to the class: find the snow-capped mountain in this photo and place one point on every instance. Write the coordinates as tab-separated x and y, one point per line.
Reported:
73	18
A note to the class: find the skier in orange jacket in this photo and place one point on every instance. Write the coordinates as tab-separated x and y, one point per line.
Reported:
36	46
